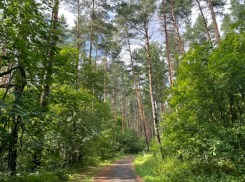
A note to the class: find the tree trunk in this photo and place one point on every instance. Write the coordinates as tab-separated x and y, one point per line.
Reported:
19	88
78	37
48	72
91	35
95	67
128	108
167	47
115	105
204	20
162	107
105	72
135	117
216	29
138	96
137	121
12	156
182	50
129	115
95	59
154	113
122	110
78	25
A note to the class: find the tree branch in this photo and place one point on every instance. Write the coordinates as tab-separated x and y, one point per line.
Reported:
8	72
6	86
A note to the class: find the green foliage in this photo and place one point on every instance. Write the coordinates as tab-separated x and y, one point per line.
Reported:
238	14
130	143
54	176
198	33
144	166
207	129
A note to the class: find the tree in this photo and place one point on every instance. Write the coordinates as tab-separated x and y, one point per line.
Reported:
140	15
216	29
204	20
198	33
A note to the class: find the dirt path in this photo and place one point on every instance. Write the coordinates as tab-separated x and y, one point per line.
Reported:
120	171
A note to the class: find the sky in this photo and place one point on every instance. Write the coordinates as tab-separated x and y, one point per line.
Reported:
70	17
156	35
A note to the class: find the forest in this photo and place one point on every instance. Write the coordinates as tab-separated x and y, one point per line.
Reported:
164	78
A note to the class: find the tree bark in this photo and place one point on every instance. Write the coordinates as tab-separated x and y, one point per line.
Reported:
105	72
48	73
122	110
91	35
167	47
20	86
128	108
137	121
12	155
204	20
216	29
115	105
182	50
78	25
129	115
154	113
47	76
95	59
138	96
77	37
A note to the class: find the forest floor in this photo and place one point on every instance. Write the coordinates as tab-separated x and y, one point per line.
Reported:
122	170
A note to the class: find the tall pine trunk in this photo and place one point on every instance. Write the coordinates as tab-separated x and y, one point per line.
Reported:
138	96
128	115
48	66
48	74
77	37
204	20
122	109
182	50
91	34
154	113
167	46
216	29
105	73
115	105
78	25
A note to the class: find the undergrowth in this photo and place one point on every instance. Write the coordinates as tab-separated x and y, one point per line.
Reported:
144	164
154	169
72	174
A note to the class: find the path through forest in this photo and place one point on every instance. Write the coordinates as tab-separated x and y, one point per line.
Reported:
120	171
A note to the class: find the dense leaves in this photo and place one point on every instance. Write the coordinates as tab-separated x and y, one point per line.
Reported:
72	96
208	127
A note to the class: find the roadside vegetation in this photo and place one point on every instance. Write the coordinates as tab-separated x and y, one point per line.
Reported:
123	77
203	140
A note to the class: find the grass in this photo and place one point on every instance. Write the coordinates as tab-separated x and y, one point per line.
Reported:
88	174
144	167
